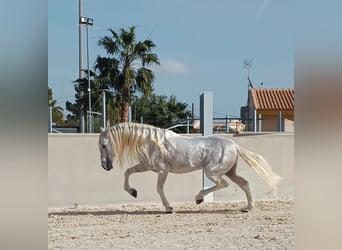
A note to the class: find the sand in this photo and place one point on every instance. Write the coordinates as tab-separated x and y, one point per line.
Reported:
214	225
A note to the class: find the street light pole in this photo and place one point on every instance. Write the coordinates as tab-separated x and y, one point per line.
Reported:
88	22
80	63
89	88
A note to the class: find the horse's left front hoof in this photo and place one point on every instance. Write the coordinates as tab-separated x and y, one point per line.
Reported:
133	192
169	210
199	201
247	209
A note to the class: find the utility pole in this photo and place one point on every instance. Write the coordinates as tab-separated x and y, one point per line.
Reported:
103	108
80	76
89	87
192	112
88	22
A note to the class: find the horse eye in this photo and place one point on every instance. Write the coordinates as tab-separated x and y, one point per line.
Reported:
103	146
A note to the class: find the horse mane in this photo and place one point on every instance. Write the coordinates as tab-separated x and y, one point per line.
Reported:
131	141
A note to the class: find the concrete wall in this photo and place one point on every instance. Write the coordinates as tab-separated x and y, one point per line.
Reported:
75	174
278	149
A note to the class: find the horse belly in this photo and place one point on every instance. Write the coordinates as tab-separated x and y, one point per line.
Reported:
183	170
185	163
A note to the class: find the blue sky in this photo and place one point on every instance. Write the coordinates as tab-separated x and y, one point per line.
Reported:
201	45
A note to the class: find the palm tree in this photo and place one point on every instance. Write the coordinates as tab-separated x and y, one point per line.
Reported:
82	101
126	67
160	110
57	111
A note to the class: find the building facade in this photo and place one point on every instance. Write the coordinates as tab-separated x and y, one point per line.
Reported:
269	110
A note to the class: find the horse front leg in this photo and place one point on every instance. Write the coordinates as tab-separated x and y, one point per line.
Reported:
135	169
160	189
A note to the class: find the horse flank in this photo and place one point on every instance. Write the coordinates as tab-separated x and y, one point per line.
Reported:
131	141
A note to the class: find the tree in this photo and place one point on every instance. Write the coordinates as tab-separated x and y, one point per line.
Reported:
126	67
177	110
160	111
57	111
82	100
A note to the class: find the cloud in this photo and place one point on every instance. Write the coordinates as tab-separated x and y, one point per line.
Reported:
262	8
172	67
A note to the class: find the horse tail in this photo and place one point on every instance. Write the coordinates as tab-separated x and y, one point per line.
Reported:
261	167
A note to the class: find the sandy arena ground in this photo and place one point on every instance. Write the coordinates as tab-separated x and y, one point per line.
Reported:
216	225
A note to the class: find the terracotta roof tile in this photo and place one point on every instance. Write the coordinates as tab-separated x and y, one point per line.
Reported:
272	99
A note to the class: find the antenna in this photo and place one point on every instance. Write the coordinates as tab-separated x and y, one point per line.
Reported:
250	84
247	64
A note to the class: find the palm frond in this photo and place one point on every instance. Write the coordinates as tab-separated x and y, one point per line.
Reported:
144	80
128	37
111	46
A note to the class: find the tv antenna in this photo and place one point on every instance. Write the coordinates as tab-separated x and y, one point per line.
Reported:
247	64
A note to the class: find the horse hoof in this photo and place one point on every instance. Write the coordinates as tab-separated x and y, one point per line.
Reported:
246	210
169	210
133	192
199	201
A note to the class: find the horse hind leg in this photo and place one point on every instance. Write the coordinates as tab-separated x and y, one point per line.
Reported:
219	184
244	185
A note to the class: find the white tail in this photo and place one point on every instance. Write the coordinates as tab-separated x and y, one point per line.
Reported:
261	166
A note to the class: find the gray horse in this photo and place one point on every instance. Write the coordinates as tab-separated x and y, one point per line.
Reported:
163	151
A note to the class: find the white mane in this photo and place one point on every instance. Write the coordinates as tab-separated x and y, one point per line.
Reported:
132	141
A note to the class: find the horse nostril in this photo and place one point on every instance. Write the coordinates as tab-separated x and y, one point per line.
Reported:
104	164
109	165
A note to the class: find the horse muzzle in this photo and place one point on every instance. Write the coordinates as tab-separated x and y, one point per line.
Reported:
106	164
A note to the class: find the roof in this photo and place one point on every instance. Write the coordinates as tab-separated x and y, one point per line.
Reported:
272	99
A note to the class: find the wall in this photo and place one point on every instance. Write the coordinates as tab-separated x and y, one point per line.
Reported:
269	122
289	125
278	149
75	174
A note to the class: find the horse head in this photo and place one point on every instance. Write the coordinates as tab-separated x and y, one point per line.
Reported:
106	150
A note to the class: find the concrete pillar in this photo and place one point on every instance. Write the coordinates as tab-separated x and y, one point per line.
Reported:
130	114
279	121
206	127
50	120
259	118
255	120
187	125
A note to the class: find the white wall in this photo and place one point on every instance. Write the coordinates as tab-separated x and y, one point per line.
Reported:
278	149
75	174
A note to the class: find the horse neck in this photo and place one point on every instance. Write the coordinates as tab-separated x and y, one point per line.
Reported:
124	135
